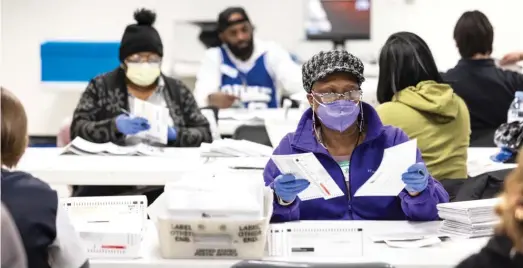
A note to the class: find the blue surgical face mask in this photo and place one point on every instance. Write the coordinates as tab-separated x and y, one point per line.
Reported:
338	115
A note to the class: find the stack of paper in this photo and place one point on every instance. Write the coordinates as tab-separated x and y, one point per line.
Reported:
241	114
253	96
240	163
80	146
469	218
234	148
211	197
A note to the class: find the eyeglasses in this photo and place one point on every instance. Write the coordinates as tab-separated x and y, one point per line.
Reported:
352	95
138	59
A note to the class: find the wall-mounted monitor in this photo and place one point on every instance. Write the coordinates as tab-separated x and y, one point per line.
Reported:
337	20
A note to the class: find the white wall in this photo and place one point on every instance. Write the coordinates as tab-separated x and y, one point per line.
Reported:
27	23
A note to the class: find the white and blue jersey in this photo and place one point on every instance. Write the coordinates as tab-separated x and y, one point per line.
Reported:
255	81
270	73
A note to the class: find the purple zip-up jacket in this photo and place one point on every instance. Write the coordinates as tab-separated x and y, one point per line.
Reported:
364	161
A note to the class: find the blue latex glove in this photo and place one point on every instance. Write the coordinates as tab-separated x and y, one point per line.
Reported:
171	134
287	187
416	178
131	125
503	155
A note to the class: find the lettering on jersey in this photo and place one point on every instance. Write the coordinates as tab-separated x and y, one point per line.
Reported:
181	232
249	233
229	71
247	92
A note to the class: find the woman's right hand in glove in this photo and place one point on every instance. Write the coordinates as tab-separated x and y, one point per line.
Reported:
131	125
287	187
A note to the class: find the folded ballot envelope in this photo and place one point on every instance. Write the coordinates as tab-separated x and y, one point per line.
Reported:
211	232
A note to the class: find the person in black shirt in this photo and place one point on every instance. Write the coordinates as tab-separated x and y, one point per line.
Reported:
486	89
48	237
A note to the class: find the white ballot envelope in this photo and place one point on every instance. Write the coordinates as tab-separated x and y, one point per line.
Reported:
386	181
158	118
425	242
308	167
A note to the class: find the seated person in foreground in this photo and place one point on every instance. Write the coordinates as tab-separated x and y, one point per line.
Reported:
414	98
47	235
100	115
505	249
348	138
486	89
244	66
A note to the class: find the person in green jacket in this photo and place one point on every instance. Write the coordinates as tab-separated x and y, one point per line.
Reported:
414	98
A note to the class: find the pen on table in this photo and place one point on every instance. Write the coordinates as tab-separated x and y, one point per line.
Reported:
98	221
126	112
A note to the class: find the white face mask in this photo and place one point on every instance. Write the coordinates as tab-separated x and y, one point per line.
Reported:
143	74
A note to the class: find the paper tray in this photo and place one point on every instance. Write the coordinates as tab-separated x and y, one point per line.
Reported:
202	238
211	239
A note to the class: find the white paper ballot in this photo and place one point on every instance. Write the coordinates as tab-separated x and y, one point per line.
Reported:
308	167
405	236
425	242
386	181
80	146
158	118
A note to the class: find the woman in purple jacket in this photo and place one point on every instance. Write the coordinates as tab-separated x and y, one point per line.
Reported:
348	138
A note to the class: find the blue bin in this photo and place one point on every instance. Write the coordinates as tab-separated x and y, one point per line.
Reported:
77	61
